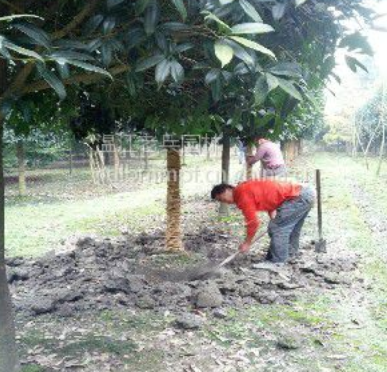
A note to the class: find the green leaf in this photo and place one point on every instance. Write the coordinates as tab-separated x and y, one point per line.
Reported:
17	16
113	3
63	69
131	85
240	52
357	41
35	33
212	75
213	17
336	77
177	71
25	52
241	69
251	28
290	89
106	54
174	26
152	15
278	11
69	55
147	63
272	82
90	67
353	63
288	69
300	2
261	90
6	106
163	70
181	48
250	10
225	2
94	45
71	44
253	45
53	81
162	42
216	89
93	24
223	52
134	37
179	4
141	5
4	52
108	24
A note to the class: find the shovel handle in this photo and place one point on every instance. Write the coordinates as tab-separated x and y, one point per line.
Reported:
232	257
228	259
319	204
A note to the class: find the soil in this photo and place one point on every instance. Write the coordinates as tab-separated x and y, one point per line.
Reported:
135	272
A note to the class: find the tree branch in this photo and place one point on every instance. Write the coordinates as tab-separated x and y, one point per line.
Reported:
12	6
22	76
77	20
87	78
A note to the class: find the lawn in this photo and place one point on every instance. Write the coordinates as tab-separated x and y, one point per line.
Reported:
58	207
342	329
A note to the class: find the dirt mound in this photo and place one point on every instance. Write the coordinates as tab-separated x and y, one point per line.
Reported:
130	272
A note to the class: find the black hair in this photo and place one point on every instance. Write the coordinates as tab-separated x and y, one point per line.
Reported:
220	189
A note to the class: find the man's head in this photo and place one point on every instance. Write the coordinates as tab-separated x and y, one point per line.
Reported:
223	193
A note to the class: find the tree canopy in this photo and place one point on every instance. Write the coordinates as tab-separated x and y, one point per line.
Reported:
243	60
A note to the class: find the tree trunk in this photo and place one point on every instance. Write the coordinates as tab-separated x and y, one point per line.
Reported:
173	234
224	210
116	164
146	160
382	119
92	165
71	158
9	361
381	153
299	146
22	167
208	148
249	168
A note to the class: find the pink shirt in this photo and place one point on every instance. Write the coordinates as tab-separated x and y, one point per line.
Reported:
270	155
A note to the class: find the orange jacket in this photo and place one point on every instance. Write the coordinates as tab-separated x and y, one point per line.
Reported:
262	196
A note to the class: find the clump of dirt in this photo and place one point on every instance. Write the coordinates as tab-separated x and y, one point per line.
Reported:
127	272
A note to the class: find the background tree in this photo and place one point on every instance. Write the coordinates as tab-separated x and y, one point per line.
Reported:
18	60
370	123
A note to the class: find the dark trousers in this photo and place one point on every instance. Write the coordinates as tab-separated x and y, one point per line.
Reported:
285	228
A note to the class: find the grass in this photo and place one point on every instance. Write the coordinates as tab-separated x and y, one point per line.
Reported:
38	223
367	345
100	344
32	368
34	229
112	333
322	325
88	343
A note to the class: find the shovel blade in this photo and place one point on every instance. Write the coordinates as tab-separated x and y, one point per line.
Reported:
321	246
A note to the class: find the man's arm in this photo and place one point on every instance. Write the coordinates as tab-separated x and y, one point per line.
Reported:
258	155
252	222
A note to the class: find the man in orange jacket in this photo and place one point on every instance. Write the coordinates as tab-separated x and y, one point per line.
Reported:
287	205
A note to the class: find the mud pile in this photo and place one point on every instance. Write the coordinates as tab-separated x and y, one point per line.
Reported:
130	272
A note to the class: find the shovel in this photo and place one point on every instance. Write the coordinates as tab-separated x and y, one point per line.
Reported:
321	244
208	272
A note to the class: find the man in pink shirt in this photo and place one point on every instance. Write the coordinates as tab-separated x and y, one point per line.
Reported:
270	155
